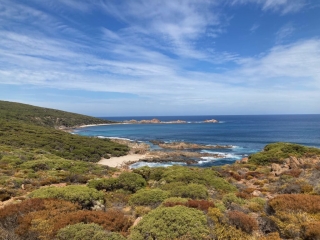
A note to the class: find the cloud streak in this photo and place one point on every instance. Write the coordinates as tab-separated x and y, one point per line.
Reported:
152	56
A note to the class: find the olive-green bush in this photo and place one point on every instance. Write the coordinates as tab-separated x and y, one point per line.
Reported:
126	181
193	190
277	152
82	231
171	223
83	195
146	197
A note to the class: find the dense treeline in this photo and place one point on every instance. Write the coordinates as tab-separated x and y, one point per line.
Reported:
59	143
11	111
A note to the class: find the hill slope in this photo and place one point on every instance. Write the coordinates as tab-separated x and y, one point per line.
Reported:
28	127
12	111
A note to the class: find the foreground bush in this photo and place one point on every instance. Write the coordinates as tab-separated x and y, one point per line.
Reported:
171	223
76	194
127	181
92	231
207	177
10	214
203	205
146	197
296	202
193	190
242	221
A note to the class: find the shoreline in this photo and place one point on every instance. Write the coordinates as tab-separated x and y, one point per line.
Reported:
118	162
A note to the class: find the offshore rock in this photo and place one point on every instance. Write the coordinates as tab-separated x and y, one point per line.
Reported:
211	121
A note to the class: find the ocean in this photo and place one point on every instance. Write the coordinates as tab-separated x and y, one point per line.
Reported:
246	134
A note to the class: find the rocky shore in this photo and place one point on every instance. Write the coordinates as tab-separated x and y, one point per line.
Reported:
168	152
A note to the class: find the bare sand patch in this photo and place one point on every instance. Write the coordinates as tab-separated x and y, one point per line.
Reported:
120	161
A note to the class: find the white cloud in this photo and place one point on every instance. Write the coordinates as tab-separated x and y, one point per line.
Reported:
132	61
282	6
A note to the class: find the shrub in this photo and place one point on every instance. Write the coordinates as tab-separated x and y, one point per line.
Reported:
232	198
127	181
22	218
92	231
73	193
295	202
311	230
150	173
207	177
194	191
242	221
146	197
276	152
171	223
48	223
202	205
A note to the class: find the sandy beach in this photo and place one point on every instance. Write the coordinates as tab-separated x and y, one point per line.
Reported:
119	161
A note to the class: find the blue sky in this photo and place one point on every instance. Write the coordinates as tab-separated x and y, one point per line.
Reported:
162	57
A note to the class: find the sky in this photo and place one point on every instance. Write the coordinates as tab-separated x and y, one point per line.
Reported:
162	57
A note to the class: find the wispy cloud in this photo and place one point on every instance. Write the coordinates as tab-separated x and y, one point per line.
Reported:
284	32
282	6
153	54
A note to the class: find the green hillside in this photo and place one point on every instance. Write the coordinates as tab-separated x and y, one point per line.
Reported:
44	116
29	127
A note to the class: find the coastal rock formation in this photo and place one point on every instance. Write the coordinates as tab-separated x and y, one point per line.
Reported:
211	121
157	121
152	121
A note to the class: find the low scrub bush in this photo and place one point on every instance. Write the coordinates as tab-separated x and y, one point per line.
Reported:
277	152
126	181
311	230
77	194
242	221
91	231
193	190
295	202
202	205
230	198
171	223
145	197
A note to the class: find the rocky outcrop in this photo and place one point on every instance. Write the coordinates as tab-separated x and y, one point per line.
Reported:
293	163
152	121
211	121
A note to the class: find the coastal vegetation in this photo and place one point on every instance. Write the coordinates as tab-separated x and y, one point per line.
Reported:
11	111
47	191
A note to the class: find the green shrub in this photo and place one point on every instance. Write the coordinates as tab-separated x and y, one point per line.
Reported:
150	197
194	191
92	231
171	223
207	177
232	198
126	181
80	194
150	173
277	152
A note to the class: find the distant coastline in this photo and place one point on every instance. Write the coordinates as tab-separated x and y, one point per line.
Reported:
157	121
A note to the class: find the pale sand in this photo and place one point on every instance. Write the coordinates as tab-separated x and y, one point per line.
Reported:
119	161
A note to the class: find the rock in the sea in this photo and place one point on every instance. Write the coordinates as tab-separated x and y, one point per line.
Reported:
211	121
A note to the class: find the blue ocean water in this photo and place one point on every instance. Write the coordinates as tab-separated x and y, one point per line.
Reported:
247	134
